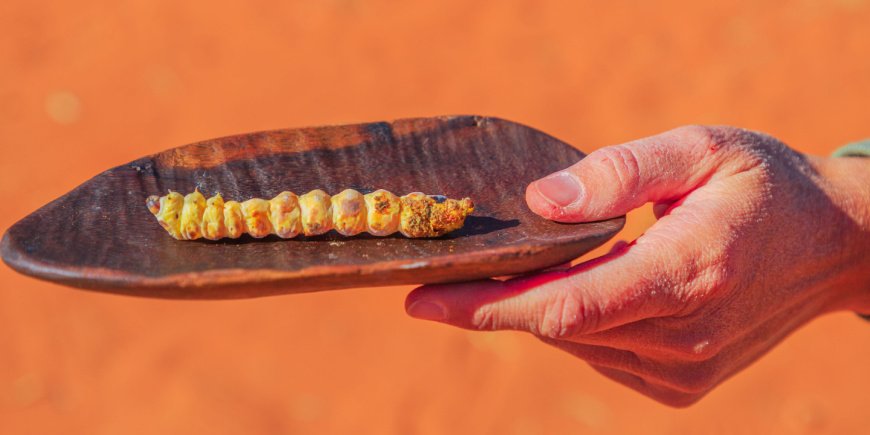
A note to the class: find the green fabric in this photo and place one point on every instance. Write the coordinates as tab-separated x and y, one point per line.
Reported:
854	149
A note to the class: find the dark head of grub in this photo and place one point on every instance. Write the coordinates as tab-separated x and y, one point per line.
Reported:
153	204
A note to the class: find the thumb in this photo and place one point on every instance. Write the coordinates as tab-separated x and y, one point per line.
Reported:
615	180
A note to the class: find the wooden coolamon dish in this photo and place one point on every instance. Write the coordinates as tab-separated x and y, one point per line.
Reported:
101	236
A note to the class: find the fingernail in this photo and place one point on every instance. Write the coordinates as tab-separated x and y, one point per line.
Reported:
427	310
561	188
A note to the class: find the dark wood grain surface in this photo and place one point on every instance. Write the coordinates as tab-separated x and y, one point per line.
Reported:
101	236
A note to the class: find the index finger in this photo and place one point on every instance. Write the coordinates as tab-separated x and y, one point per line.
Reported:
618	288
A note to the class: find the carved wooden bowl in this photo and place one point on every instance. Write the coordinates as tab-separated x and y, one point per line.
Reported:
101	236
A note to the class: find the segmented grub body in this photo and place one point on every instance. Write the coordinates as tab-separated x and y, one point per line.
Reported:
380	213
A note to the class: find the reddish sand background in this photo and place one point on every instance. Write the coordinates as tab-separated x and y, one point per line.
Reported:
89	85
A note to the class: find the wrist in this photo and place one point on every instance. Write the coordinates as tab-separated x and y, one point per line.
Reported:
847	183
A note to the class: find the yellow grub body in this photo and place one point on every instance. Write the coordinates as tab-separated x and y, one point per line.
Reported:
285	215
414	219
213	219
234	220
316	212
169	213
349	213
379	213
256	213
191	215
383	209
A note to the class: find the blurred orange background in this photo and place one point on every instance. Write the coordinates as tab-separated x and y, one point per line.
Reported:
88	85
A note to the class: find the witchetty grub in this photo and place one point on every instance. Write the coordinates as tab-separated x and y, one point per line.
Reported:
380	213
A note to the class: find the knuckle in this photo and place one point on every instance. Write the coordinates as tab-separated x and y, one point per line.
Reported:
703	135
727	142
713	137
484	319
676	399
718	275
691	339
660	393
696	378
704	280
750	149
563	317
660	283
695	348
622	164
711	279
752	146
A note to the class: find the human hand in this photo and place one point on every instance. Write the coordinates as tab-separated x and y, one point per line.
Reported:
752	241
